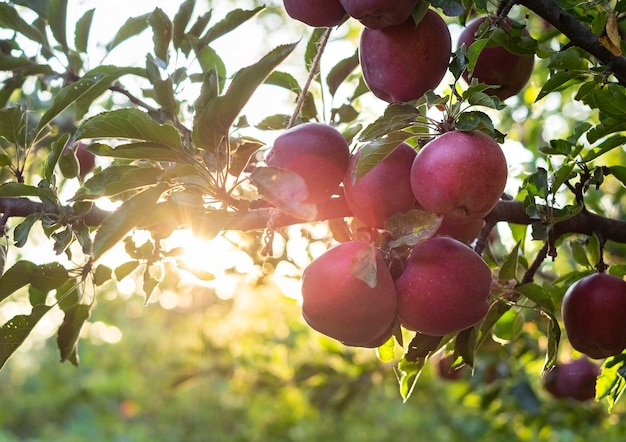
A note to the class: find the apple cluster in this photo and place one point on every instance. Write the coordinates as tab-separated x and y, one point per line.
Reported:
349	292
401	58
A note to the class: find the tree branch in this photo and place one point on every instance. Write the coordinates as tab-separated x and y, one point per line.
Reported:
579	34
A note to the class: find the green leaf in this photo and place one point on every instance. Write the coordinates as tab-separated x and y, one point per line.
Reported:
374	152
21	231
57	20
284	80
557	81
161	34
139	151
233	20
15	331
66	96
611	382
508	271
604	147
133	26
537	183
619	172
10	19
397	116
408	373
117	179
508	327
340	72
83	28
180	22
128	216
131	124
69	332
537	294
102	274
16	277
56	148
217	117
122	271
19	189
46	277
568	60
312	48
13	125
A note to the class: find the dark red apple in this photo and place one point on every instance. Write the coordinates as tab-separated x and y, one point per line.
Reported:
460	175
594	315
444	287
384	190
316	13
377	14
402	62
317	152
86	160
445	370
339	303
496	65
575	380
465	232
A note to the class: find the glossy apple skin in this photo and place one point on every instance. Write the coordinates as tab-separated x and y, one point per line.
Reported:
444	287
315	151
316	13
86	159
594	315
402	62
465	232
342	306
378	14
460	175
497	66
384	190
575	380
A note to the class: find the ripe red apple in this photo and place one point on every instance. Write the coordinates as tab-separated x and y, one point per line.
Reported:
445	370
384	190
575	380
465	232
460	175
496	65
315	151
443	288
341	305
594	315
402	62
316	13
376	14
86	160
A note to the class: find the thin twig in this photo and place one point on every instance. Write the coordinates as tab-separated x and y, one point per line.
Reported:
314	68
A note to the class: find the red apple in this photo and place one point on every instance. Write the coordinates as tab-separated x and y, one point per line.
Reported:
315	151
460	175
402	62
465	232
575	380
384	190
496	65
594	315
86	160
340	304
444	287
316	13
445	370
376	14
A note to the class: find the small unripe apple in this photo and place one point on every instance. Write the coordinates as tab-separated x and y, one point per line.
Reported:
496	65
376	14
594	315
460	175
339	303
317	152
384	190
575	380
444	287
316	13
402	62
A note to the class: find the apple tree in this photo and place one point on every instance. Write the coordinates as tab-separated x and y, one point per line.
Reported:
464	156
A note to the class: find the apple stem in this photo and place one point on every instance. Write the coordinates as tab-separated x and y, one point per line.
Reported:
314	68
